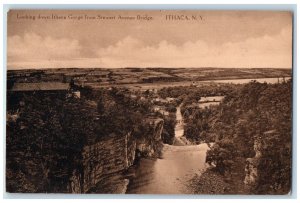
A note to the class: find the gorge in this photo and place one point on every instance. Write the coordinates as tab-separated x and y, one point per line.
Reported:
121	140
170	174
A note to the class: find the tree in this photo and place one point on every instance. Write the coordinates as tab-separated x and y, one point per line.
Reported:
221	155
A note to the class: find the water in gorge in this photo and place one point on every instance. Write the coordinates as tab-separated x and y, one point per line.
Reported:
171	173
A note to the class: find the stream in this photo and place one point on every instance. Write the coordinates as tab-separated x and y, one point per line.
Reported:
170	174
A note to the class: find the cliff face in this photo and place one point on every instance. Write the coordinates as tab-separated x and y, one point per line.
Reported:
251	168
252	164
263	171
149	144
114	155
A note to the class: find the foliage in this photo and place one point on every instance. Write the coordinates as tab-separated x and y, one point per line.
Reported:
44	144
258	111
45	140
168	133
190	94
221	155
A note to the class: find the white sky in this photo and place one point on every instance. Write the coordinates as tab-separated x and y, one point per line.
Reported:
221	39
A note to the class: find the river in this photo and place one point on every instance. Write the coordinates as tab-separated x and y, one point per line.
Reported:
179	123
170	174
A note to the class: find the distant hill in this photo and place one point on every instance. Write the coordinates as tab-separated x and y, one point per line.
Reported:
105	76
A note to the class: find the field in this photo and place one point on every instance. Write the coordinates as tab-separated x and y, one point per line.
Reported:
144	78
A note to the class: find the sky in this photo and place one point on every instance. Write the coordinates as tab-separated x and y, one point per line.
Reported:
227	39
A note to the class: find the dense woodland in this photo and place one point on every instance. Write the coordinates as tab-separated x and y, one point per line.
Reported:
254	111
190	94
45	124
44	142
257	111
46	135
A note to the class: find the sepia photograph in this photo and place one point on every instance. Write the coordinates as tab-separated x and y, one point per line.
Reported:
190	102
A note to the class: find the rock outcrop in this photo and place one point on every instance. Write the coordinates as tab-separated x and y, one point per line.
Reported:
251	168
113	155
252	164
150	143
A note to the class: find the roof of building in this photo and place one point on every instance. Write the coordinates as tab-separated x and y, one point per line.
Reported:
42	86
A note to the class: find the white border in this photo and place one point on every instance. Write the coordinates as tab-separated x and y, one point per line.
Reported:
174	2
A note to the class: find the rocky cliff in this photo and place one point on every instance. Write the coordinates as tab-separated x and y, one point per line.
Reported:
251	168
252	164
149	144
100	161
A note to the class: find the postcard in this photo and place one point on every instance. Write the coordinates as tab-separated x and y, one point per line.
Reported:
189	102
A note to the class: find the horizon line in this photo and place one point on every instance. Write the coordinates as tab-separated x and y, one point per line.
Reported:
156	67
